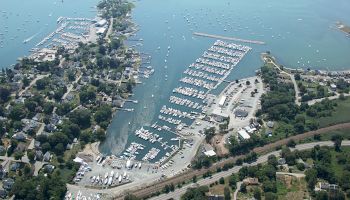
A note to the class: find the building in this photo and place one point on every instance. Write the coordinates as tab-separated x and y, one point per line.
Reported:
240	113
218	115
101	23
327	186
222	101
39	155
101	31
3	194
251	181
210	153
333	87
8	183
47	157
216	197
243	135
270	124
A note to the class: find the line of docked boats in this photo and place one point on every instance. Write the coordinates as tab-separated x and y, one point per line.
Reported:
152	154
147	135
176	113
197	82
71	31
201	74
185	102
191	92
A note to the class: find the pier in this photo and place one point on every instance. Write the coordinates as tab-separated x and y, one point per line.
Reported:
126	109
228	38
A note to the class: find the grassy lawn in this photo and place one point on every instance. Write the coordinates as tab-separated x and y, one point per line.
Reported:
340	115
328	136
337	168
72	152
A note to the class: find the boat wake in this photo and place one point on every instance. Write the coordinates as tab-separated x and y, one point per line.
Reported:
31	37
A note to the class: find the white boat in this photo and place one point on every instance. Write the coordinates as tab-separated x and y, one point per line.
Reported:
110	180
124	175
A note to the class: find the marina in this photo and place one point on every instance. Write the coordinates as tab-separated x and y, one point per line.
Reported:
185	104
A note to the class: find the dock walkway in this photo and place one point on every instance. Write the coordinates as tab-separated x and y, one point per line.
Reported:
228	38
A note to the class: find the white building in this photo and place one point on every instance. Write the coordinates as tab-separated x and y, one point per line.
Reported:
243	135
101	31
101	23
222	101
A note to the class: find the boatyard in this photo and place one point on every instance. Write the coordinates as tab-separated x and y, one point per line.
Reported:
69	33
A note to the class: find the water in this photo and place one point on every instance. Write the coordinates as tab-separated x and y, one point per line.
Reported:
298	33
34	19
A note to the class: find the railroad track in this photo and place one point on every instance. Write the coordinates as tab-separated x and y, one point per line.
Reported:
147	191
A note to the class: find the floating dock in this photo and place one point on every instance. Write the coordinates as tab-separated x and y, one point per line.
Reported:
228	38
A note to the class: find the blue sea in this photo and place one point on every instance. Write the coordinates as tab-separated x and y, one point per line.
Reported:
21	20
298	33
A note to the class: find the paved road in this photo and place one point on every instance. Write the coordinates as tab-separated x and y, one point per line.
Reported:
32	83
262	159
157	186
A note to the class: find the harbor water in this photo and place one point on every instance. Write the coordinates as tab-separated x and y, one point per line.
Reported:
299	33
32	21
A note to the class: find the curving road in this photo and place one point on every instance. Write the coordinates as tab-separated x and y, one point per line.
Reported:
262	159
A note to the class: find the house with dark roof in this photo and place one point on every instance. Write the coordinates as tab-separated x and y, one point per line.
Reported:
8	183
47	157
49	168
3	194
3	173
20	136
37	145
2	150
215	197
39	155
15	166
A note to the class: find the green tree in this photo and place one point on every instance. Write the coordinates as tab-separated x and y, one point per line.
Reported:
103	114
17	112
4	94
81	117
31	156
18	155
222	181
42	83
270	196
337	140
321	195
87	95
131	197
227	193
257	194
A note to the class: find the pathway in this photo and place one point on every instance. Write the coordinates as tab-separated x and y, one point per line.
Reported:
239	184
296	88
